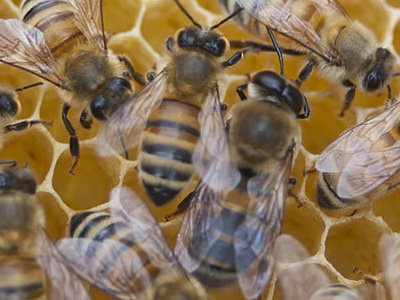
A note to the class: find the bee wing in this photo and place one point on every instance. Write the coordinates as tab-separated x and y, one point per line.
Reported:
124	202
279	16
363	168
24	47
389	246
211	156
64	282
255	237
129	121
109	265
197	226
88	14
296	283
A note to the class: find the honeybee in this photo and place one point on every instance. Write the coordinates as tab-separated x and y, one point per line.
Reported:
306	281
174	113
227	233
10	108
345	51
60	41
362	164
25	249
125	253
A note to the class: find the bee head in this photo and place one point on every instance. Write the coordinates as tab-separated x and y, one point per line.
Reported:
108	101
9	106
381	71
209	41
269	83
18	179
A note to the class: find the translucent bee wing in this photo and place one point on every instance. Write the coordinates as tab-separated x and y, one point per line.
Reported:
279	16
109	265
255	237
23	46
65	284
200	219
88	14
389	246
296	283
127	124
125	203
211	156
366	155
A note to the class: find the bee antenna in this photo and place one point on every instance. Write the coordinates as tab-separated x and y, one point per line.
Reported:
187	14
227	18
28	86
277	49
13	163
396	74
102	26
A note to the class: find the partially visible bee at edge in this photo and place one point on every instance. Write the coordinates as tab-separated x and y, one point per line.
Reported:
60	41
344	50
389	247
125	253
362	164
305	281
176	116
25	249
227	234
10	108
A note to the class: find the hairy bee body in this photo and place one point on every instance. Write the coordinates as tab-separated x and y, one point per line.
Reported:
226	235
10	108
125	254
169	139
86	71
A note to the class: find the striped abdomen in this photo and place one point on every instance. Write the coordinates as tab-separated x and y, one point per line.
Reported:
100	227
21	278
217	265
56	19
169	140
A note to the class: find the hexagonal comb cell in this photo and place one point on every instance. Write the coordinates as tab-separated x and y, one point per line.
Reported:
348	245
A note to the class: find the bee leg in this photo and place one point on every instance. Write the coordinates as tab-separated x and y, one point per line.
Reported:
367	279
292	183
170	44
13	163
84	120
24	124
73	140
135	75
349	96
306	72
182	207
306	172
235	58
240	91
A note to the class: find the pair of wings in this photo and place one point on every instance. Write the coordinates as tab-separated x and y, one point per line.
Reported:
283	16
363	168
253	238
113	266
24	46
211	155
307	280
65	284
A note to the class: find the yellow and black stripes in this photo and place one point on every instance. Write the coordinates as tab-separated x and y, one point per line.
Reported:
169	140
57	21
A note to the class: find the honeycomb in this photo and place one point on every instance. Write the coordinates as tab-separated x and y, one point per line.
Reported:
139	29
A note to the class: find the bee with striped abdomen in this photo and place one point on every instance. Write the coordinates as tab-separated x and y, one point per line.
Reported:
174	113
305	281
60	41
125	253
27	255
362	164
227	233
345	51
